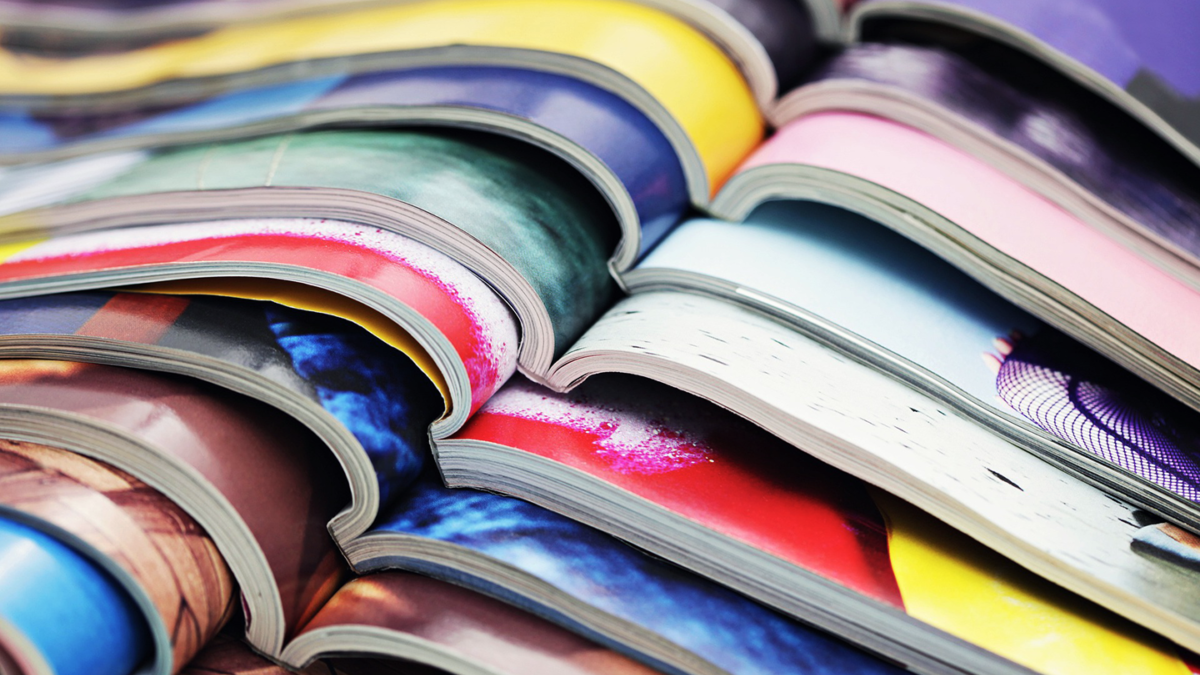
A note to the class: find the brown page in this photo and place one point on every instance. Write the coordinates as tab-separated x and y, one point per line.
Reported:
279	478
487	631
138	528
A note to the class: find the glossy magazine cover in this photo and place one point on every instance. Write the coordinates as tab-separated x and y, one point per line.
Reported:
272	487
163	549
682	454
478	325
419	611
378	394
655	50
617	133
57	606
1145	50
516	200
703	617
1087	284
872	290
1104	151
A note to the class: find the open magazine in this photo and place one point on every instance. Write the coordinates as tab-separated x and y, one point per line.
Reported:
421	525
172	573
253	489
1030	122
884	300
321	305
178	590
715	494
1140	57
718	112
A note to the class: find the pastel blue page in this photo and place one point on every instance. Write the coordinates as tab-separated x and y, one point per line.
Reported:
861	276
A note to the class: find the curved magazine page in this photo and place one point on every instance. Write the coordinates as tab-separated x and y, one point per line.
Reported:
771	41
739	29
678	66
512	214
305	364
226	655
259	484
593	584
617	146
786	32
1142	57
827	18
143	534
453	315
870	293
57	606
309	299
1103	167
648	463
1023	247
883	432
394	615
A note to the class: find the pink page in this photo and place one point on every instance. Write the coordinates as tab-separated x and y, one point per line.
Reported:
1002	213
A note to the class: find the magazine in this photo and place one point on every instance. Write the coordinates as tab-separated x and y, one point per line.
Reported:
1023	247
888	434
713	493
182	585
259	484
443	317
394	616
449	191
320	369
766	39
717	111
166	562
1033	124
375	409
634	158
35	639
590	582
887	302
1141	57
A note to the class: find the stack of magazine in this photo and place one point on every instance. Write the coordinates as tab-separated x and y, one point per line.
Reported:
599	337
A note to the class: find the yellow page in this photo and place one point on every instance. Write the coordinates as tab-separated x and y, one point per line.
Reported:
956	584
312	299
693	79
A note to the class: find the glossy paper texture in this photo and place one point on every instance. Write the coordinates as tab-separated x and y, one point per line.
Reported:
834	266
728	475
679	67
64	606
308	299
901	440
275	474
698	615
1018	222
156	542
379	396
467	624
1105	152
540	216
477	324
851	271
785	30
1149	50
1083	398
600	122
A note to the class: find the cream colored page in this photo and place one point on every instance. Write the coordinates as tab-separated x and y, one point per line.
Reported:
888	434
